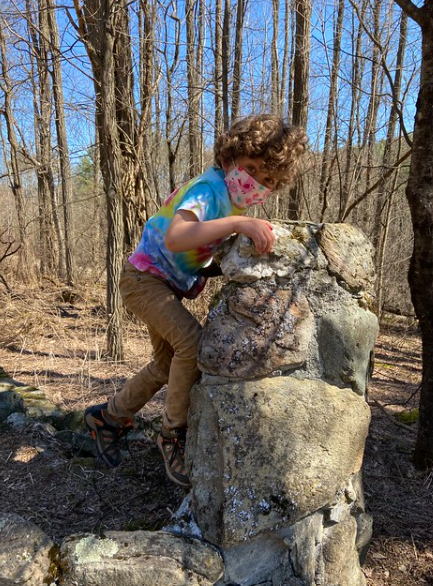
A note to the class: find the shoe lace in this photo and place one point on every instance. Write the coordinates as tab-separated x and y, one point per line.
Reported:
178	447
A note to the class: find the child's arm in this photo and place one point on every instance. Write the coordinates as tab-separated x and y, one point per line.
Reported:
186	232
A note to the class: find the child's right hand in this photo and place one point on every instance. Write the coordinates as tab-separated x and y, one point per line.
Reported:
260	232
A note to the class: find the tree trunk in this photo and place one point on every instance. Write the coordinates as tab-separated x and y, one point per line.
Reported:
300	88
371	121
171	63
200	84
287	45
332	108
48	217
104	29
96	234
419	194
383	193
292	59
218	51
275	62
14	172
237	65
226	62
62	141
99	25
193	101
140	198
348	174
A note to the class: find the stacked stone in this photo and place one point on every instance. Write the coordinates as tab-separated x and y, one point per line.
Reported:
279	420
276	434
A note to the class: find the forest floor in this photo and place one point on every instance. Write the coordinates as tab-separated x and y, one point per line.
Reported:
57	344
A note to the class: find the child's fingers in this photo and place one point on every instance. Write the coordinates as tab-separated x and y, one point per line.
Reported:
264	240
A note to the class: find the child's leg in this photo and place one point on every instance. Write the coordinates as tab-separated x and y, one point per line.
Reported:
175	335
141	387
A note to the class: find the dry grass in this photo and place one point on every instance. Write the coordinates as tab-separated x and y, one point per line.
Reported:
59	346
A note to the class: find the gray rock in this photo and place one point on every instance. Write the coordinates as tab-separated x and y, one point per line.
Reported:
346	339
265	453
349	254
27	554
340	558
72	420
255	330
295	249
37	406
16	420
80	442
10	401
302	539
253	561
139	558
364	533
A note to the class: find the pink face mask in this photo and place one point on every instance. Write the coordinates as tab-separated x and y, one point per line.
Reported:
244	190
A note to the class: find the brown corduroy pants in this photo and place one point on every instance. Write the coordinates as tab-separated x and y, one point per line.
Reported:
174	334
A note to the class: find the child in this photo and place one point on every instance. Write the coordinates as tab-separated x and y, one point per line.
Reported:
257	156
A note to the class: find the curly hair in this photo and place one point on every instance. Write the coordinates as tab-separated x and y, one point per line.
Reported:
268	137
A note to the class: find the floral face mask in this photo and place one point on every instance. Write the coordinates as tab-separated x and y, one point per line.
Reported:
244	190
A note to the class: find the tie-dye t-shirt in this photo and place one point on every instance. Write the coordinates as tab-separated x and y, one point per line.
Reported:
207	197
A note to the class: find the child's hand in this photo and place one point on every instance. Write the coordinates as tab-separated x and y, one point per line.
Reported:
260	232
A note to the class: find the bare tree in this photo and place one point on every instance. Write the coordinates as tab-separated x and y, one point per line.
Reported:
332	108
419	194
62	141
171	61
193	90
356	74
218	51
275	61
14	170
301	76
226	62
103	27
385	191
237	64
286	56
50	230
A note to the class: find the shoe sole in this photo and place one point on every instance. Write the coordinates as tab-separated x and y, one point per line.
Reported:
167	469
91	426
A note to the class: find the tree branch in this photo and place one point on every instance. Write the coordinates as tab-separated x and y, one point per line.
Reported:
395	101
373	187
411	10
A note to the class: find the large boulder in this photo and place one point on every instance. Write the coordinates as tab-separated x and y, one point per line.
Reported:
27	554
139	558
255	330
278	422
268	452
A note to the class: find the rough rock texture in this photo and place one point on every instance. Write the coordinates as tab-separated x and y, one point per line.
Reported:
346	341
264	426
350	257
292	311
16	397
140	558
27	554
260	328
278	421
10	402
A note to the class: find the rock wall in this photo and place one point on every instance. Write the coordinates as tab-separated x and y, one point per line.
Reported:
279	420
276	435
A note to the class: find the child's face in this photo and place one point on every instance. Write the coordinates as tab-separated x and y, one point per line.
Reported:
255	168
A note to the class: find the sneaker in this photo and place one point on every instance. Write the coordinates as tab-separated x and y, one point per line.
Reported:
107	431
171	443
